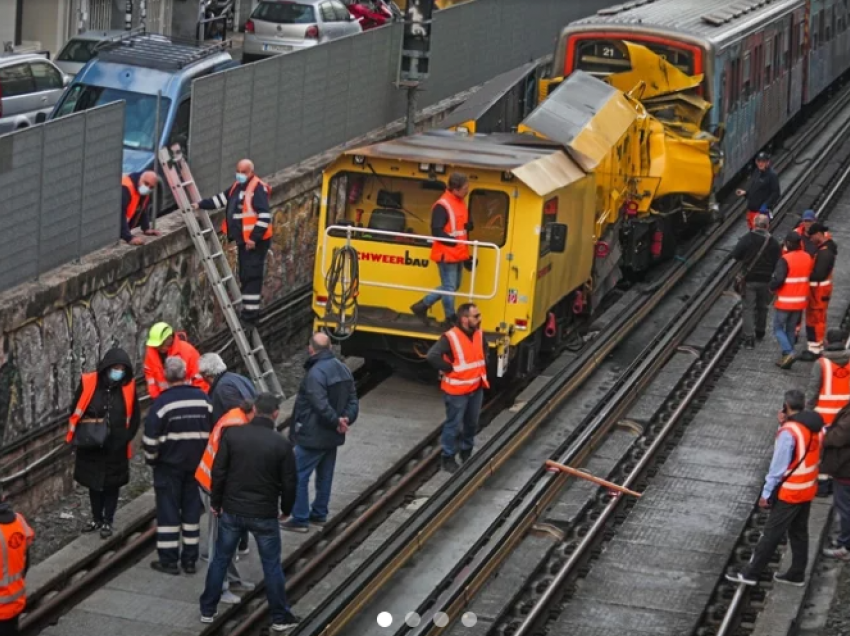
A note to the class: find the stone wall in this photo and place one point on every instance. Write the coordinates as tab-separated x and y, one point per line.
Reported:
54	328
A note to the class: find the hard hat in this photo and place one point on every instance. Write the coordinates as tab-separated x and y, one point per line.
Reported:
158	334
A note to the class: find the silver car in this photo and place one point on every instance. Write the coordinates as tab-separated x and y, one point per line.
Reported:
29	85
81	48
281	26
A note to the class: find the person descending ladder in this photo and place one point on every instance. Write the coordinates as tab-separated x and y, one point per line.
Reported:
204	235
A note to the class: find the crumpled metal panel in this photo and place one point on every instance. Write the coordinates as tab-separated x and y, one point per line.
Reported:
659	76
586	115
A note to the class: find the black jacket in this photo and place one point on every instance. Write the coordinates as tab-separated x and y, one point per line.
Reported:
108	467
254	472
228	391
326	394
177	428
746	249
824	261
763	189
835	460
233	207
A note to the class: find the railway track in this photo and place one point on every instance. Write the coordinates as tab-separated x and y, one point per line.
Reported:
360	518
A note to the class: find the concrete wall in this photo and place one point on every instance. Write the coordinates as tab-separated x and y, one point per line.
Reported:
46	21
56	327
8	13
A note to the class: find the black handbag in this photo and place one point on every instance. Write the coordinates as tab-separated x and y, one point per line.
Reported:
91	433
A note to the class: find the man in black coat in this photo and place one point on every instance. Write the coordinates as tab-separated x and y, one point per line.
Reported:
253	484
836	464
325	407
759	252
106	469
763	191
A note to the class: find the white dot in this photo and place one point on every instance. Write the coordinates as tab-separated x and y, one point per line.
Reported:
385	619
412	619
469	619
441	619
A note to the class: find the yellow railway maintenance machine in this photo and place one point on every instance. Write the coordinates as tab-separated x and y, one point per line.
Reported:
552	209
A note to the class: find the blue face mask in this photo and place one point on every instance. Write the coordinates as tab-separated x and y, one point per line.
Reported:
241	178
116	375
144	190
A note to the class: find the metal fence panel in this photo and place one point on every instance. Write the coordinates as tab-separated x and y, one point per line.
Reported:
61	198
291	107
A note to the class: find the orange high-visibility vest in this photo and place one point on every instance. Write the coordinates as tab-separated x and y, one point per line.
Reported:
822	291
455	227
793	295
89	382
155	371
15	538
203	474
469	370
249	216
135	198
801	485
834	389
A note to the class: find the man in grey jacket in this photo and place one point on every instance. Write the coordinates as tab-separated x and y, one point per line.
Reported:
325	407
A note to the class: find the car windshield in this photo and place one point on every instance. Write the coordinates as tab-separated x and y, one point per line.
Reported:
139	111
285	13
79	51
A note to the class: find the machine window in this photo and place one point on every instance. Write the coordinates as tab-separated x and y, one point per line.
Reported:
489	212
550	216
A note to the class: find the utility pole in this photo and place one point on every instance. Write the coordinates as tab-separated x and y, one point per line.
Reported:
415	58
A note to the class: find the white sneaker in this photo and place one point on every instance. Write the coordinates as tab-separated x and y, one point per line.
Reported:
208	619
841	553
243	585
230	598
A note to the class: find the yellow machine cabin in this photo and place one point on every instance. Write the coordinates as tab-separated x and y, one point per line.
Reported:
532	210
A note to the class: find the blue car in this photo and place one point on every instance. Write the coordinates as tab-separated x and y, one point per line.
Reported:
146	71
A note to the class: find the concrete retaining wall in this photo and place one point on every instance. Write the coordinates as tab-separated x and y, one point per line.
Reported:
57	327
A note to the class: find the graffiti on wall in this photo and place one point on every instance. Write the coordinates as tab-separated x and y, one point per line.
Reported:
41	360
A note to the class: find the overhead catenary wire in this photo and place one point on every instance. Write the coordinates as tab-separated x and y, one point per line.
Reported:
343	285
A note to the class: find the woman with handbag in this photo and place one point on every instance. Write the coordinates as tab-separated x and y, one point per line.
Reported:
101	428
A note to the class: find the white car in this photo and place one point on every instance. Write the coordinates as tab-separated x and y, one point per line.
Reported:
281	26
81	48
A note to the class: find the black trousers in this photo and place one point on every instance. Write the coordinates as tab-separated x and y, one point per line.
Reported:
9	627
103	505
178	515
784	517
252	265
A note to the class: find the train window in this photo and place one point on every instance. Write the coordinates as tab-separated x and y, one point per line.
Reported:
746	77
550	216
801	40
489	212
609	56
768	62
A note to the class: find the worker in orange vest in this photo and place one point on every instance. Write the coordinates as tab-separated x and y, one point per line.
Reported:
136	190
789	488
101	430
16	537
238	416
450	219
460	355
163	343
790	285
829	383
820	288
802	229
247	222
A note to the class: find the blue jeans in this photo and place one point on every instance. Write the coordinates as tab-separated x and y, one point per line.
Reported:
323	461
461	410
450	281
267	535
785	327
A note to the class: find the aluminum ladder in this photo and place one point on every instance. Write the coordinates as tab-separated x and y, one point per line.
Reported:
224	285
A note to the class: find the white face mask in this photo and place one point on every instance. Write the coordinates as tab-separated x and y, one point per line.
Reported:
144	190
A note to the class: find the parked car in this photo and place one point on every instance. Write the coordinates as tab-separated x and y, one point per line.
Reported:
277	27
81	48
29	84
153	75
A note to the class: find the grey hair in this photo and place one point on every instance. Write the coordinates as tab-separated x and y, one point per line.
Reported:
762	222
211	365
175	370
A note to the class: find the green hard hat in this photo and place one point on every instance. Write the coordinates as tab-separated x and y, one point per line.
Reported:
158	334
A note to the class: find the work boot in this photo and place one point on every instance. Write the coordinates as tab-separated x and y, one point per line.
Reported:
465	455
759	335
165	568
448	464
450	322
786	361
808	356
420	310
749	343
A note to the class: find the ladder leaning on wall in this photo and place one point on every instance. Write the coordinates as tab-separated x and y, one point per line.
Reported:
224	285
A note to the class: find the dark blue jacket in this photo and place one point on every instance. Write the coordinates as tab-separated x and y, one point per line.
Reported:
228	391
177	427
326	394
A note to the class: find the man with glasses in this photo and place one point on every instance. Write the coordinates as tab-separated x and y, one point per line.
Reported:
460	355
